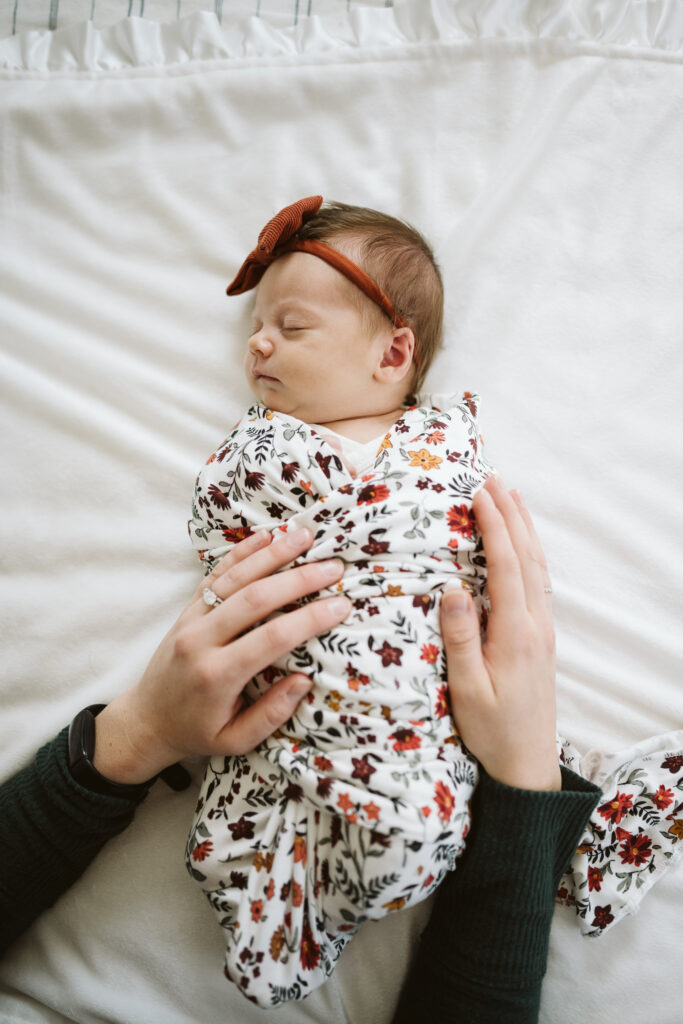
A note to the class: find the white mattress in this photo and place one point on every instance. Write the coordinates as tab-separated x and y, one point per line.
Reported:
539	146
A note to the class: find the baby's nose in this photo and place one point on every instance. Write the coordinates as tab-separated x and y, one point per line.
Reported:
260	344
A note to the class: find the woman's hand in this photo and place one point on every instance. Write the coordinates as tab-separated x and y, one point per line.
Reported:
503	696
189	701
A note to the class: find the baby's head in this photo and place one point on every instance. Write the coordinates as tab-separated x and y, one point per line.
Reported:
348	313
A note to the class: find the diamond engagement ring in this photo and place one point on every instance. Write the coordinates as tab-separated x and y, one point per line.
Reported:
211	598
546	590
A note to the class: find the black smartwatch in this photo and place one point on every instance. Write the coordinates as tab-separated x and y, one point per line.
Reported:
82	748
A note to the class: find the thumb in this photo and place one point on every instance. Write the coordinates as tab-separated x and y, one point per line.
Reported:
256	722
460	631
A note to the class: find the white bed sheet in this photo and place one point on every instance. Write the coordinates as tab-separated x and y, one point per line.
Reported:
539	146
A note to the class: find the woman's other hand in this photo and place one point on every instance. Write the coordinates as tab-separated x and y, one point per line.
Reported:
503	694
190	699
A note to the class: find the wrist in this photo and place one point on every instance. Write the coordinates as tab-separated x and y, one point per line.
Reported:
81	760
125	751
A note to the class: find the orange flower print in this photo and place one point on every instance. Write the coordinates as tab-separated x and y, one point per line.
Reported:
306	486
423	460
406	739
202	850
299	849
676	828
277	943
257	910
386	444
461	520
436	437
345	803
371	811
396	904
372	493
429	653
445	801
297	894
323	764
270	889
394	591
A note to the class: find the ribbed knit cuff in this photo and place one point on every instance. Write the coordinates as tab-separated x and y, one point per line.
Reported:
492	914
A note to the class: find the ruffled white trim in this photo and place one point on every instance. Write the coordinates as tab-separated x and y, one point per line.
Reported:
135	43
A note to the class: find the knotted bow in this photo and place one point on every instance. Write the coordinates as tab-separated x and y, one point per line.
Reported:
278	238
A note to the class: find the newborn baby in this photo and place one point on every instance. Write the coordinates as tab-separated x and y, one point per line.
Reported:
360	804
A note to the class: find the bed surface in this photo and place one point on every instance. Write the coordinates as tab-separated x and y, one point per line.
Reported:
539	147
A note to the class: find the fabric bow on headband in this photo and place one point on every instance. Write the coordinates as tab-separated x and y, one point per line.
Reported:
278	238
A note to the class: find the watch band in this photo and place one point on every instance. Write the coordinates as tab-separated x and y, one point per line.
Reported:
81	750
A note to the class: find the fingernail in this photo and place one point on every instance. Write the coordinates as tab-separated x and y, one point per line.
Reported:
333	569
456	601
297	536
340	606
298	689
519	498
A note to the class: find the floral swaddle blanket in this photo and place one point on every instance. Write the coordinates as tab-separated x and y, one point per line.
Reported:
359	805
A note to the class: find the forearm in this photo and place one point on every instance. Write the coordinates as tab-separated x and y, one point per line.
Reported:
51	830
483	954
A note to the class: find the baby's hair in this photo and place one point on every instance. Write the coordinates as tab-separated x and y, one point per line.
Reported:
401	262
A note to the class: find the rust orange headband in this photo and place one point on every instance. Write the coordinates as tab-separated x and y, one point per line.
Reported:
278	238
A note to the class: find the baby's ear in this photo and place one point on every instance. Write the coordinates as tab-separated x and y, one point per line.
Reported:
397	356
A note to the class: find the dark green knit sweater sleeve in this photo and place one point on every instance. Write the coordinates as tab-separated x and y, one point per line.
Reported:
51	829
483	954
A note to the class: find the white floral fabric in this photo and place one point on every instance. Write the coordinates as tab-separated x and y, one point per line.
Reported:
360	803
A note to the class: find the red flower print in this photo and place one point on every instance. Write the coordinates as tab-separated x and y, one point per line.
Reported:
636	850
441	707
673	763
270	889
373	493
445	801
429	653
663	797
461	520
309	954
406	739
202	850
614	810
622	833
242	829
375	547
362	769
257	910
389	655
289	471
602	916
235	535
594	879
323	764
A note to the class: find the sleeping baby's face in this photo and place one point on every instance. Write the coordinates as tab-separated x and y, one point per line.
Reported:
310	353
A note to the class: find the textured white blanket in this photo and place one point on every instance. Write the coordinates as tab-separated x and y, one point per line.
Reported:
539	147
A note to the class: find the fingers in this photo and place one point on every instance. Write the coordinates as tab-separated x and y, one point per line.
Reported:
269	712
245	564
505	581
461	636
258	648
259	599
